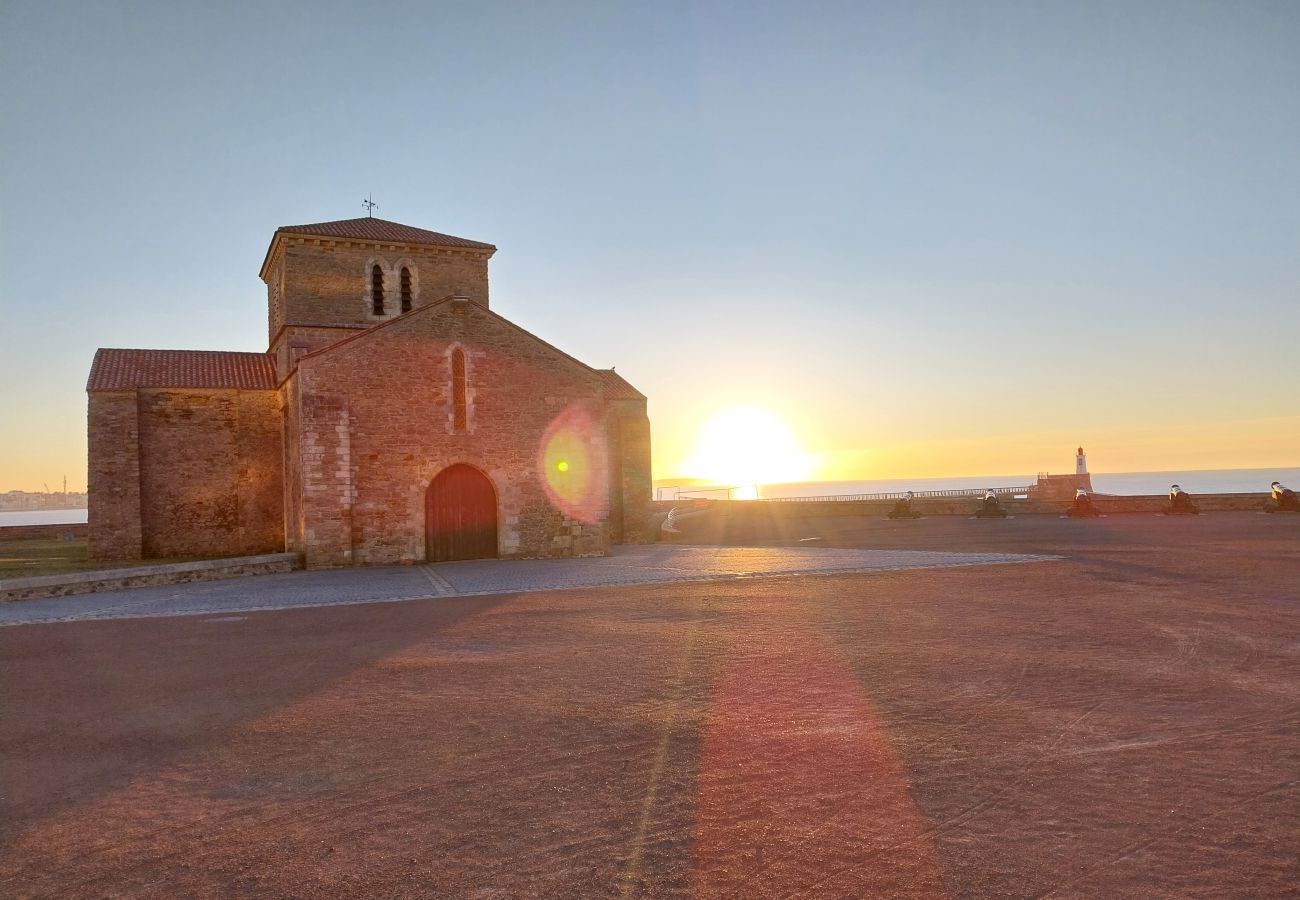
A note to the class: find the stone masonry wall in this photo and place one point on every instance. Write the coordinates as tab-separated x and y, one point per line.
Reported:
291	429
113	439
210	472
377	426
1060	487
634	486
300	340
326	441
76	530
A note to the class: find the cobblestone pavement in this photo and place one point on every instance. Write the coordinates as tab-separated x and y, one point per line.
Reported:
625	566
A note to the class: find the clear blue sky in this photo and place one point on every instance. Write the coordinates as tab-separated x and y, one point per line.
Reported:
823	209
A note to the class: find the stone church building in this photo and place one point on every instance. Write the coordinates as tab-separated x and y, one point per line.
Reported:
394	418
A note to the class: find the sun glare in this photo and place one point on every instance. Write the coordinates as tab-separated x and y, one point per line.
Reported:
748	446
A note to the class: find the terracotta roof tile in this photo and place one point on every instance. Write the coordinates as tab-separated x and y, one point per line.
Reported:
617	387
124	370
369	229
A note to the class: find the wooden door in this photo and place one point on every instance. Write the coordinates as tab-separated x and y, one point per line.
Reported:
460	516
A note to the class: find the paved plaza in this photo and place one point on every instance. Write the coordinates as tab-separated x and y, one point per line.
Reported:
626	566
877	715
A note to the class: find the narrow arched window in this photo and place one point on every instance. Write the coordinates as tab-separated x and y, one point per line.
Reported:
377	290
406	289
459	406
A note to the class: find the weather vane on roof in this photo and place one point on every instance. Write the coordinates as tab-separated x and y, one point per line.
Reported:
370	204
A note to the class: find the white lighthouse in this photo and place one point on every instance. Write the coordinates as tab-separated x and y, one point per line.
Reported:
1080	463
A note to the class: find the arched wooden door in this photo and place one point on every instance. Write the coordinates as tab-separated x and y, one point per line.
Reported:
460	515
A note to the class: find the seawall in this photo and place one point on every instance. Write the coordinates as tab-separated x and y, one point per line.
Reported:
78	530
960	506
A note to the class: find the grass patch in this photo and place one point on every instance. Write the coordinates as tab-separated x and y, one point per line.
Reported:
26	557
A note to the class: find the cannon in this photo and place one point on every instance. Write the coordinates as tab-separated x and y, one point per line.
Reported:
1180	503
1082	507
670	524
1281	499
902	508
990	508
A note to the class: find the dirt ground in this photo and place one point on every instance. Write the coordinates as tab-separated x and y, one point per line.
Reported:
1121	723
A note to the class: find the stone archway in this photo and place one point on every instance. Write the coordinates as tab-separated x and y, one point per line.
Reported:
460	515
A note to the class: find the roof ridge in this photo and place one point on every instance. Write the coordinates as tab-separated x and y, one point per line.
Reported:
368	228
374	228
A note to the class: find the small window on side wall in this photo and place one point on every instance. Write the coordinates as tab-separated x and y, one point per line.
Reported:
459	404
406	289
377	290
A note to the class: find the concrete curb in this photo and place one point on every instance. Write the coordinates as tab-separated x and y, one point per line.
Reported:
142	576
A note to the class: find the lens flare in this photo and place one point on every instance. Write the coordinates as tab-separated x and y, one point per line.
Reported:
572	464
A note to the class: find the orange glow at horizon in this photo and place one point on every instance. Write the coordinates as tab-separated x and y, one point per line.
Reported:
748	445
723	451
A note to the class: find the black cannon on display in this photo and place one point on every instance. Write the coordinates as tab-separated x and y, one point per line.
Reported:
1083	507
1282	499
990	507
902	508
1180	503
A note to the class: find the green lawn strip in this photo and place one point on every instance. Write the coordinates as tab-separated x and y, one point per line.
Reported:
28	557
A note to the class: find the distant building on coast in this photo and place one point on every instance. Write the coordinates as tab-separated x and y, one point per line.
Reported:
1062	487
394	418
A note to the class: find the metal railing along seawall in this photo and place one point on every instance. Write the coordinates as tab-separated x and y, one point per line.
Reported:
898	495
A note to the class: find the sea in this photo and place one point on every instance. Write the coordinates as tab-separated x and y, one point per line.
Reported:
42	517
1195	481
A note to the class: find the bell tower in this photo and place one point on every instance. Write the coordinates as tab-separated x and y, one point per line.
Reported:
332	279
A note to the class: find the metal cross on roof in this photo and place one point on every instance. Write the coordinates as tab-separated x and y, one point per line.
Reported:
370	205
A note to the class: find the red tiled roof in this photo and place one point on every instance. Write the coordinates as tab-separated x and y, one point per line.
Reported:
617	387
369	229
124	370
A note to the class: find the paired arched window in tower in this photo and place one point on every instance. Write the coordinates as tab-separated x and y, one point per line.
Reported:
382	299
459	401
377	290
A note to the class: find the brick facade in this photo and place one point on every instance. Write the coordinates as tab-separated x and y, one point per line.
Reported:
331	440
184	473
210	473
371	420
113	476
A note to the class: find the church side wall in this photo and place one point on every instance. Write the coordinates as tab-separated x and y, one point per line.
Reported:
635	485
386	398
261	470
113	438
210	472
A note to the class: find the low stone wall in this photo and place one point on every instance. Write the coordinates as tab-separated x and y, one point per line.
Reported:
966	506
142	576
78	530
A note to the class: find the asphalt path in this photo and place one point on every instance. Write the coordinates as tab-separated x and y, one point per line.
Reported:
626	566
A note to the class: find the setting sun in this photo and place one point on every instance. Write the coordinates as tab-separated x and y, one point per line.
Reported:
748	445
